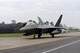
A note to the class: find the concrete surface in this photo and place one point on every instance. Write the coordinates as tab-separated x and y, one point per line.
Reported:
67	45
8	43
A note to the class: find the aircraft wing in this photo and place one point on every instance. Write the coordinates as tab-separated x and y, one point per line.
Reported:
58	27
50	27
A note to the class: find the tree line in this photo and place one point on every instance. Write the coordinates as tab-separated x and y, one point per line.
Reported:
10	28
14	27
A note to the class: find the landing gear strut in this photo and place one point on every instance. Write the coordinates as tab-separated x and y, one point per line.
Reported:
39	35
34	36
52	35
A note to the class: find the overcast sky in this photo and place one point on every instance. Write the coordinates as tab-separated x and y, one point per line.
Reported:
50	10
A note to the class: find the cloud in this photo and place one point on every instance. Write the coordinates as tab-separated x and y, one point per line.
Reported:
23	10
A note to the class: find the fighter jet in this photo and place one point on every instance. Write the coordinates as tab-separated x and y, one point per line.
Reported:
31	27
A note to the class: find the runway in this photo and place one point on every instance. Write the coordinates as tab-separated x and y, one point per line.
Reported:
68	45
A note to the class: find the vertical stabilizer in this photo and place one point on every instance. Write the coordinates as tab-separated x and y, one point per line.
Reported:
40	21
59	21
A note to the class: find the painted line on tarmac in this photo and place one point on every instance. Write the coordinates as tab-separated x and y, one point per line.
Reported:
61	46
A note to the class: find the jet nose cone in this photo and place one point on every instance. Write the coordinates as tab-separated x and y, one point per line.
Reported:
23	28
20	29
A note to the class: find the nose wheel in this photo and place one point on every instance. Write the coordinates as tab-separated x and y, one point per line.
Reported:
34	36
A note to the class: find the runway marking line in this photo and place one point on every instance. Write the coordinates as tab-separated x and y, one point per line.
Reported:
61	46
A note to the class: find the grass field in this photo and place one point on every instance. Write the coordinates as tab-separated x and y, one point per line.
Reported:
14	35
11	35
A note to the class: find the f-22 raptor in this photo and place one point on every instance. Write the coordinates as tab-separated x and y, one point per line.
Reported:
32	27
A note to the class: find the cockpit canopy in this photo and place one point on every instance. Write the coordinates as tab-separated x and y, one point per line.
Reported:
30	22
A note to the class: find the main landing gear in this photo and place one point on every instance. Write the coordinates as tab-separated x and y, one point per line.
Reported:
39	35
52	35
